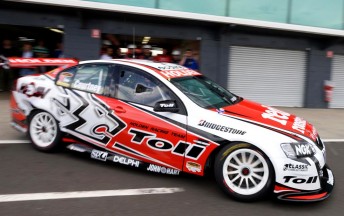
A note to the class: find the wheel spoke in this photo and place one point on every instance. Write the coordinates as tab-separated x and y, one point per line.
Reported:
233	165
250	159
257	176
235	178
241	181
243	156
237	159
37	126
253	181
246	181
256	163
261	169
233	172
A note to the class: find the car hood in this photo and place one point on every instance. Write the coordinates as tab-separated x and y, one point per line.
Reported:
270	118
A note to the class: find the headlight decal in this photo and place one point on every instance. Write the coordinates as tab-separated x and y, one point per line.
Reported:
298	150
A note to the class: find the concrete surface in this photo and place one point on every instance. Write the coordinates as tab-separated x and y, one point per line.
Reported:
24	170
329	122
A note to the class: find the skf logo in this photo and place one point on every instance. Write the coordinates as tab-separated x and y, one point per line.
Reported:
99	155
295	180
303	150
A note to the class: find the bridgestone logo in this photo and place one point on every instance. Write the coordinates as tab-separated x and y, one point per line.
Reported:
221	128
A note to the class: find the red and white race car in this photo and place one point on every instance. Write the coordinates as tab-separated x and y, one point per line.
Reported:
168	119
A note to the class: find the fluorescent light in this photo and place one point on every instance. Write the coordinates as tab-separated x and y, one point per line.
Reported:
56	30
124	50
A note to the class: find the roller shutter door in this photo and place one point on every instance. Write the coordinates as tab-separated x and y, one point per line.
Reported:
337	77
270	76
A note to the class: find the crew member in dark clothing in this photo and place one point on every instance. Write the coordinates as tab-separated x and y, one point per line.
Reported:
189	61
6	75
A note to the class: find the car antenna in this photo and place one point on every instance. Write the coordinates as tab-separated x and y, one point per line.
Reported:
134	42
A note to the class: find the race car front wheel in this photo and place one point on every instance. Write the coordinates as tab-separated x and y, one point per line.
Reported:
243	172
44	131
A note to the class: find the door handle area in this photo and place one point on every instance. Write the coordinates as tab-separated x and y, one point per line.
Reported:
119	109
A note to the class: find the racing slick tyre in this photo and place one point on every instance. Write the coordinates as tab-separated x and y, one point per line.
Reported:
244	172
44	131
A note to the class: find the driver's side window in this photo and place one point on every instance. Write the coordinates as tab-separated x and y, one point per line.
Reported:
139	87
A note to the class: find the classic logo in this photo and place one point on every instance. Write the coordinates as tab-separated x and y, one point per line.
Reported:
99	155
193	167
295	167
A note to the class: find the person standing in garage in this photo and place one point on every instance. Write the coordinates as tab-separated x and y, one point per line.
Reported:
6	75
189	61
27	53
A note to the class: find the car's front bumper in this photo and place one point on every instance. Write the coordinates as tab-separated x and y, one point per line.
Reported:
290	194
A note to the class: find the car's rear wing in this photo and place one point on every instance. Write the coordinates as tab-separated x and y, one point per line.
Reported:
14	62
61	63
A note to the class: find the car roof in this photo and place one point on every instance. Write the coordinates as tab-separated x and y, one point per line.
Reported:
167	70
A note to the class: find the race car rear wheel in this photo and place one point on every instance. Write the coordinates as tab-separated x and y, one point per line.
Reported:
44	131
243	172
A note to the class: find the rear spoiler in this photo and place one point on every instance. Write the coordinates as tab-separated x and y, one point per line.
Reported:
14	62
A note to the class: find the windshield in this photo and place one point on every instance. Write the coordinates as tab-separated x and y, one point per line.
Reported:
204	92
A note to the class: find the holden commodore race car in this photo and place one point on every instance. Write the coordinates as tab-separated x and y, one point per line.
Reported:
168	119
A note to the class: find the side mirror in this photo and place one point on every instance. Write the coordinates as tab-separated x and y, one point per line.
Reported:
166	106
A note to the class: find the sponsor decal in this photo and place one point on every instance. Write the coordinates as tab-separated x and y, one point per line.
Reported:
86	86
170	67
221	128
99	155
299	125
192	151
303	150
126	161
163	170
31	90
167	105
193	167
76	148
220	111
300	180
178	73
275	115
158	130
40	61
295	167
64	79
139	125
